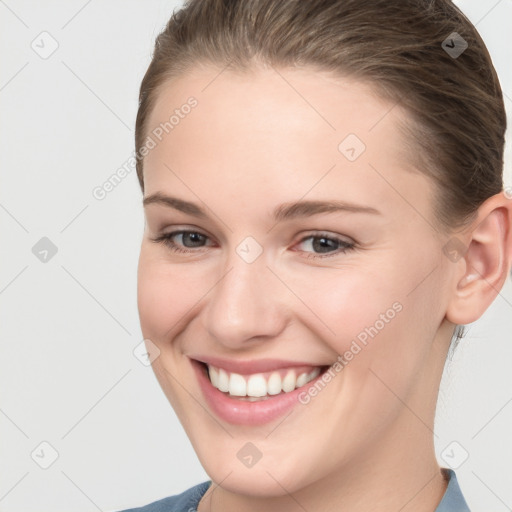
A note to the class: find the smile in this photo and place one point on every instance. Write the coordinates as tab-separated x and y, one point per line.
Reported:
253	392
259	385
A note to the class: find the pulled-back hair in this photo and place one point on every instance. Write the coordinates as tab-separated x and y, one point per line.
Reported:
455	103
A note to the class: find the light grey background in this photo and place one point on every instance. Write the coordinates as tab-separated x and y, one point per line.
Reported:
69	326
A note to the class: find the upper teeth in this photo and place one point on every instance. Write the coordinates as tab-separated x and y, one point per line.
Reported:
259	384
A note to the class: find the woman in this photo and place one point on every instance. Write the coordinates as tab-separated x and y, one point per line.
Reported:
322	187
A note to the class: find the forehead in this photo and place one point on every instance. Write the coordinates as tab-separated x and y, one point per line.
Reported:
280	132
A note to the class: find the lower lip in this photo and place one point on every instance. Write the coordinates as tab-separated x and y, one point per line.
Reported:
241	412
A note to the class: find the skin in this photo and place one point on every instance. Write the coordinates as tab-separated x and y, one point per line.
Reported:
258	139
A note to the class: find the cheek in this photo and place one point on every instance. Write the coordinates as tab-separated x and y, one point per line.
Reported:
348	303
377	318
166	295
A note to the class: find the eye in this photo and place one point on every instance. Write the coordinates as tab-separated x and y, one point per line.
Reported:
316	246
183	240
323	245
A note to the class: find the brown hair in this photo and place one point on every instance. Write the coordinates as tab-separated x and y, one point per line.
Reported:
402	48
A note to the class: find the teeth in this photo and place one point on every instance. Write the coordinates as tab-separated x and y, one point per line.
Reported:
302	379
259	385
214	376
289	381
237	385
223	384
314	374
256	385
274	385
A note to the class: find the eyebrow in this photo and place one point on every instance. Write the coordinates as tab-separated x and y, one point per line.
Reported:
283	212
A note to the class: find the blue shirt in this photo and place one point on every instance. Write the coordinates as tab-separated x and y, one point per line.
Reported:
453	500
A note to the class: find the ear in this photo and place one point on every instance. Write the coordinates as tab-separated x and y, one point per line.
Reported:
484	266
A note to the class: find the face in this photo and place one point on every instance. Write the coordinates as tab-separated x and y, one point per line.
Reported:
289	252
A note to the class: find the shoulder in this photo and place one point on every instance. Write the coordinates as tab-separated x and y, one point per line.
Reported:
187	501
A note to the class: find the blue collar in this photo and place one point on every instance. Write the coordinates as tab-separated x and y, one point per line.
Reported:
453	500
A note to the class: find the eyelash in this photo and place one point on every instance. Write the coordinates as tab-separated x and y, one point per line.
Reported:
167	240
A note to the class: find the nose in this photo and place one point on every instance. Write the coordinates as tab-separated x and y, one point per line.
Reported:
246	305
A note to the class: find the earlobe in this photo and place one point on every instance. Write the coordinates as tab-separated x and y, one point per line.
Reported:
487	261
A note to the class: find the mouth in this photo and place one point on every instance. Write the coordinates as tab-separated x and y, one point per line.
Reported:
262	385
245	398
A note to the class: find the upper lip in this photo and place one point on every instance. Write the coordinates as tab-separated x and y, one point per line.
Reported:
245	367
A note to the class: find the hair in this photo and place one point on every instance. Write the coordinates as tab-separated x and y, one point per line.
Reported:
456	122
